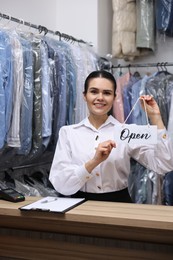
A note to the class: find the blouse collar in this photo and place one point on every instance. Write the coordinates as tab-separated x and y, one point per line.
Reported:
86	122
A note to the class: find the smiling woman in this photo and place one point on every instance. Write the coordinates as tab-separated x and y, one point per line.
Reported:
99	94
88	163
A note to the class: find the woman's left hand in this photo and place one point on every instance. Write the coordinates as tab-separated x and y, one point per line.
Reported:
149	104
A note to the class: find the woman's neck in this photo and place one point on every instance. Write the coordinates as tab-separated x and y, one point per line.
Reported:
97	121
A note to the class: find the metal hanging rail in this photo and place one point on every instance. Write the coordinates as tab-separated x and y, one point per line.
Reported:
43	29
158	65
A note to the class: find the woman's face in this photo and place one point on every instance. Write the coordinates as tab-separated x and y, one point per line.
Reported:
99	96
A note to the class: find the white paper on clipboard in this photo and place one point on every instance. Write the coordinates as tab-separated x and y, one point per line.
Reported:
53	204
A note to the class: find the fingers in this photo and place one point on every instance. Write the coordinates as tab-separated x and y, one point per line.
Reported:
147	101
106	147
146	97
103	150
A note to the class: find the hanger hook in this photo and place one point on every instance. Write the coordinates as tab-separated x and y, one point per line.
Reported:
59	34
158	64
120	69
9	20
161	65
42	29
129	66
21	22
165	66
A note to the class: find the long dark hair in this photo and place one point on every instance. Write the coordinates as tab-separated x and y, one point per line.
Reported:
99	74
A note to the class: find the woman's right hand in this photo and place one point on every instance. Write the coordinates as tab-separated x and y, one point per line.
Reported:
103	150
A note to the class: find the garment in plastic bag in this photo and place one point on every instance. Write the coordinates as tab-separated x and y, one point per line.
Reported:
145	186
6	86
145	32
164	17
168	189
124	29
29	181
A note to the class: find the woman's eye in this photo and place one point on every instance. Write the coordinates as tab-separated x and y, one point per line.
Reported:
93	91
107	93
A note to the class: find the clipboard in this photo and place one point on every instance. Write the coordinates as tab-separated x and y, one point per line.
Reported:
53	204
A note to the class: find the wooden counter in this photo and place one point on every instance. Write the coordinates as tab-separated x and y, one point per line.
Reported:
93	230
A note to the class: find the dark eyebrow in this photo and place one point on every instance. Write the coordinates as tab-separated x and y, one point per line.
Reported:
93	88
107	90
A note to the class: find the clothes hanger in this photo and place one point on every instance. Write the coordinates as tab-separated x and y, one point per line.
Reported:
163	70
120	70
136	74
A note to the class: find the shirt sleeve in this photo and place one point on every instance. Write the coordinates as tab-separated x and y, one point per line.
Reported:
66	177
157	158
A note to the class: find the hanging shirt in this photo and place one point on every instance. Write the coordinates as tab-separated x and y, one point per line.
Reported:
27	99
76	145
170	121
127	98
156	86
118	107
47	99
6	86
13	136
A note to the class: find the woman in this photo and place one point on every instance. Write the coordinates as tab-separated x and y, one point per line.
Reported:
88	163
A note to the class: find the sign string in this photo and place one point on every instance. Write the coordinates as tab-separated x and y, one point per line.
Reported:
133	109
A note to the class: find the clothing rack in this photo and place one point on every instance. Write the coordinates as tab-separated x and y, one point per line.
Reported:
32	165
142	65
43	29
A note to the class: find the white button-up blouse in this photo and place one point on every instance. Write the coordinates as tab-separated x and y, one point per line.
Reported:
76	145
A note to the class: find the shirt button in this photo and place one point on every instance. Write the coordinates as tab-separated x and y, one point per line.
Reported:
164	136
87	177
99	187
97	174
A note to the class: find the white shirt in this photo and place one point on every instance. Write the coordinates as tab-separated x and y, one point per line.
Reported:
170	121
76	145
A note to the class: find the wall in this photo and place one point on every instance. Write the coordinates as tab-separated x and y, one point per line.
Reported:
78	18
83	19
104	27
90	20
34	11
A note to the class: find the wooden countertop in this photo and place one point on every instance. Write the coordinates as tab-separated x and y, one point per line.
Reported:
138	222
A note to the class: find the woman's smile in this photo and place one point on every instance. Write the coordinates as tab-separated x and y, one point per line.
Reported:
99	105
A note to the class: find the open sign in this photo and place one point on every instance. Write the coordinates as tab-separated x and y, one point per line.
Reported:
136	134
